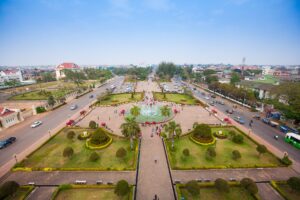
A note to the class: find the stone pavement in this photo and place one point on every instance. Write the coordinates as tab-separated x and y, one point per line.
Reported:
153	177
266	192
41	193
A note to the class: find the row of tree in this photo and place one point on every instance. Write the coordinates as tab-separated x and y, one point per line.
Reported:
139	73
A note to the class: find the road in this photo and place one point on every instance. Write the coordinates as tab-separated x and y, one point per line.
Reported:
26	136
265	131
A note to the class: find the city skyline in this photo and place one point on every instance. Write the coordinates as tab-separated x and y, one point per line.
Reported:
115	32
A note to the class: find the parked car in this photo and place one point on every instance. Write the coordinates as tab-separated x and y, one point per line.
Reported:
285	129
7	142
239	119
266	120
256	117
73	107
36	124
229	111
71	122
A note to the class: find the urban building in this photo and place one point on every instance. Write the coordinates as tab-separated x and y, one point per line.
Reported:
9	117
59	70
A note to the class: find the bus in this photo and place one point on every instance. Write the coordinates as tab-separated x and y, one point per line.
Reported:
293	139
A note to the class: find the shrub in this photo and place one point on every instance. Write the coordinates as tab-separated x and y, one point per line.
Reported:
186	152
202	131
122	188
70	135
210	153
193	188
68	152
249	185
121	153
236	155
221	185
99	137
294	183
261	149
286	160
40	109
94	157
8	189
232	133
93	124
238	139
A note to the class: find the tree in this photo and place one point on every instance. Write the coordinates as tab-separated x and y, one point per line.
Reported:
165	111
51	101
186	152
93	124
211	78
75	76
238	139
135	111
261	149
70	135
122	188
249	185
294	183
173	129
236	155
193	188
210	153
130	129
234	78
94	157
9	188
121	153
68	152
202	131
99	137
222	185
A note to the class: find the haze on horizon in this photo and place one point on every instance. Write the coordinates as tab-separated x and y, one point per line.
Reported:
42	32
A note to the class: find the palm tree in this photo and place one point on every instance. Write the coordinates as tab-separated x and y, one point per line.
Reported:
165	111
173	130
130	129
135	111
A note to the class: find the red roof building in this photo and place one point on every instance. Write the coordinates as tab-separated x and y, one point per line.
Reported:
9	117
59	70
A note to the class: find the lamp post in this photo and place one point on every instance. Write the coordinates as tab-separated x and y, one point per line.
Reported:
16	159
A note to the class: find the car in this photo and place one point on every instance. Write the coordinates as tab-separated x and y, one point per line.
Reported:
73	107
91	96
239	119
229	111
7	142
256	117
36	124
207	97
266	120
71	122
211	103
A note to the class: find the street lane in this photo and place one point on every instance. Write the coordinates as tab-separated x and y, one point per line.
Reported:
26	136
258	127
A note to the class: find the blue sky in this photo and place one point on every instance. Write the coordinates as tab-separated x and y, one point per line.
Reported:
34	32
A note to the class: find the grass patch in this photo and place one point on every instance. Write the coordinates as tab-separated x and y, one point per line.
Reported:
115	99
21	193
176	98
211	193
37	95
224	148
50	155
285	190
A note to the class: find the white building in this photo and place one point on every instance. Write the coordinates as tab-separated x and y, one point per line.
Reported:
59	70
9	75
9	117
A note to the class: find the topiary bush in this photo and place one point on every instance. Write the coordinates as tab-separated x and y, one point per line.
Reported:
186	152
93	124
122	188
236	155
202	133
286	160
238	139
40	109
99	137
94	157
249	185
193	188
210	153
8	188
294	183
222	185
71	135
68	152
121	153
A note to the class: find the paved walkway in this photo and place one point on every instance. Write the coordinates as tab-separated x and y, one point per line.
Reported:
266	192
44	193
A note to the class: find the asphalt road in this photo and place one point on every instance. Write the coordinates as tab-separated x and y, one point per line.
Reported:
26	136
259	128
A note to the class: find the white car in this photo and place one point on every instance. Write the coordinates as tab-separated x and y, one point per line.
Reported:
207	97
73	107
36	124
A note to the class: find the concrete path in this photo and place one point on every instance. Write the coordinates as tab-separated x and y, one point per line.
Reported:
257	174
266	192
44	193
68	177
153	177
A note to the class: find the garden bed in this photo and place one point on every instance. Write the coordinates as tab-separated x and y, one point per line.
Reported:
223	147
116	99
49	156
177	98
285	190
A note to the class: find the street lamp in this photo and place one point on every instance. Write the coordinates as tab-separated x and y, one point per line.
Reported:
16	159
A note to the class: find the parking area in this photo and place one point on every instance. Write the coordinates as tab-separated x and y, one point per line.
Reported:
172	87
126	87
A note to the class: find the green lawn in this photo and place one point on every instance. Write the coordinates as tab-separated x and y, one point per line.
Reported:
224	148
268	79
89	193
176	98
21	193
121	98
50	154
287	192
37	95
211	193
